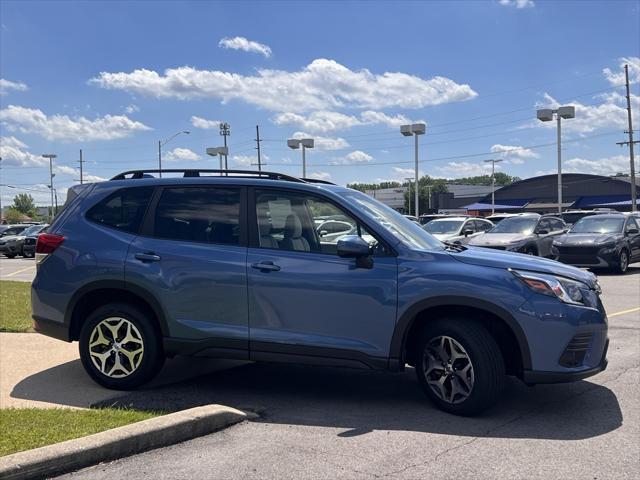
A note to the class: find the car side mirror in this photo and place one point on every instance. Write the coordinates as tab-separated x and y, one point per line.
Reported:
353	246
543	232
633	231
468	232
323	233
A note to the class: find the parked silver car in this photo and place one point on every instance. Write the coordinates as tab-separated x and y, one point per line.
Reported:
525	233
457	229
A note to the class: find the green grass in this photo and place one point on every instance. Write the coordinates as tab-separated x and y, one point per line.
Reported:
27	428
15	307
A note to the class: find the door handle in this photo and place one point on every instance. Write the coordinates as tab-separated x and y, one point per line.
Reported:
147	257
265	266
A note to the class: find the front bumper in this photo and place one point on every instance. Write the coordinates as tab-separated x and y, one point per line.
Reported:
588	257
533	377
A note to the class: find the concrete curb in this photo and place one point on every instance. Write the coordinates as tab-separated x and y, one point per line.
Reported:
119	442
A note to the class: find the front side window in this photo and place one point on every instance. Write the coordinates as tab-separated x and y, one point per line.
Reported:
123	209
299	222
483	226
199	214
631	224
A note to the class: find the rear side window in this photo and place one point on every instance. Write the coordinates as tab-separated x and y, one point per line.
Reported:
199	214
123	209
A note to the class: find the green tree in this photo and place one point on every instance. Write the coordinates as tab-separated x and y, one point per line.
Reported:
12	215
23	203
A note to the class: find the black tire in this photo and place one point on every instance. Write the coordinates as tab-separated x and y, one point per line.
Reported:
623	262
531	251
152	357
484	355
10	255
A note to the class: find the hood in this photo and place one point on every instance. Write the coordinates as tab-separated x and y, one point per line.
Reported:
9	238
586	239
444	236
498	239
519	261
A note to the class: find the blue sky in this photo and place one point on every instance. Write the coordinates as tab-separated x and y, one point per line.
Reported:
113	78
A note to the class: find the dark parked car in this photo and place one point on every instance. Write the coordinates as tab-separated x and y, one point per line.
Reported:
525	233
23	244
7	236
572	216
140	269
601	241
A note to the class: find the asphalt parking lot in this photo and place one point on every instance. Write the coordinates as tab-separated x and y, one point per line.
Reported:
17	269
334	423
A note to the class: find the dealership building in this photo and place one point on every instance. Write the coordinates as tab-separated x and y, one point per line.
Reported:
540	194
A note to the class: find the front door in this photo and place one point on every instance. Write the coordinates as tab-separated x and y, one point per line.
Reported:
305	300
192	257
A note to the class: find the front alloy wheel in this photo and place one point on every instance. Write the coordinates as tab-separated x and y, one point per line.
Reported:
448	369
623	261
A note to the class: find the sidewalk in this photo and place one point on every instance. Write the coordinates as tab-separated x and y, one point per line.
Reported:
38	371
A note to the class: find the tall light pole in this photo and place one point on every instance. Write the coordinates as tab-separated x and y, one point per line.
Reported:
546	115
295	144
493	183
50	156
218	151
225	130
162	143
415	130
408	179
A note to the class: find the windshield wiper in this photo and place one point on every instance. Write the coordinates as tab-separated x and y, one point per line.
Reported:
456	247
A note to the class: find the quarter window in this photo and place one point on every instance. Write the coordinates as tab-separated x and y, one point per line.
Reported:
123	209
199	214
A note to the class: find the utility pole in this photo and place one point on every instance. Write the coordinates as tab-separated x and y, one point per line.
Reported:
631	143
493	179
51	156
81	162
160	158
225	130
258	147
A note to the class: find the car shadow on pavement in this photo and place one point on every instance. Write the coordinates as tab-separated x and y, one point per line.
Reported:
632	271
358	402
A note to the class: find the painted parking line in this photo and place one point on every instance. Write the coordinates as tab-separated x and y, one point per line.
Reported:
631	310
19	271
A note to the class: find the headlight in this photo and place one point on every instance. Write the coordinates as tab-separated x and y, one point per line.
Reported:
566	290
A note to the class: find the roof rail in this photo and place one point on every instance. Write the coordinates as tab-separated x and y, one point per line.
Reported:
316	180
195	172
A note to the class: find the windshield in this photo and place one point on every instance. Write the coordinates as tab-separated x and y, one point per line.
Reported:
524	225
595	224
574	217
404	229
443	226
32	230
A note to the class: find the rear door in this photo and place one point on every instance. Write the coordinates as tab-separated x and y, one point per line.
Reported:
191	255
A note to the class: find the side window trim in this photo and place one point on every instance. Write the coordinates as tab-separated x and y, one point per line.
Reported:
252	218
148	224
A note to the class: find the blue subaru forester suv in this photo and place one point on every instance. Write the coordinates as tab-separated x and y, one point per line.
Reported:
247	265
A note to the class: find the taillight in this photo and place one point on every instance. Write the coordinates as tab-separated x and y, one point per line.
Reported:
47	244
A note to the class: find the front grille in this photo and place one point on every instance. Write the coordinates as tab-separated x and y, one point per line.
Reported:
578	250
29	241
577	348
579	259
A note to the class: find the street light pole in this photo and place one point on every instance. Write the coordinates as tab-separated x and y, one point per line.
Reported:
408	179
296	143
50	156
415	130
493	184
162	143
546	115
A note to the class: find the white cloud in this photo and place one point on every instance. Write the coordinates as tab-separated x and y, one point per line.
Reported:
357	156
6	85
322	85
518	3
618	78
323	121
319	121
75	172
404	172
247	160
181	155
241	43
610	114
324	143
131	108
321	176
603	166
514	154
204	123
65	128
14	152
465	169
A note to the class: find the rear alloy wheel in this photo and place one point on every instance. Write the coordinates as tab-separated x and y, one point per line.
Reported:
120	347
459	366
623	261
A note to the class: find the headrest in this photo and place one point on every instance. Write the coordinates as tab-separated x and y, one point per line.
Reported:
293	227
